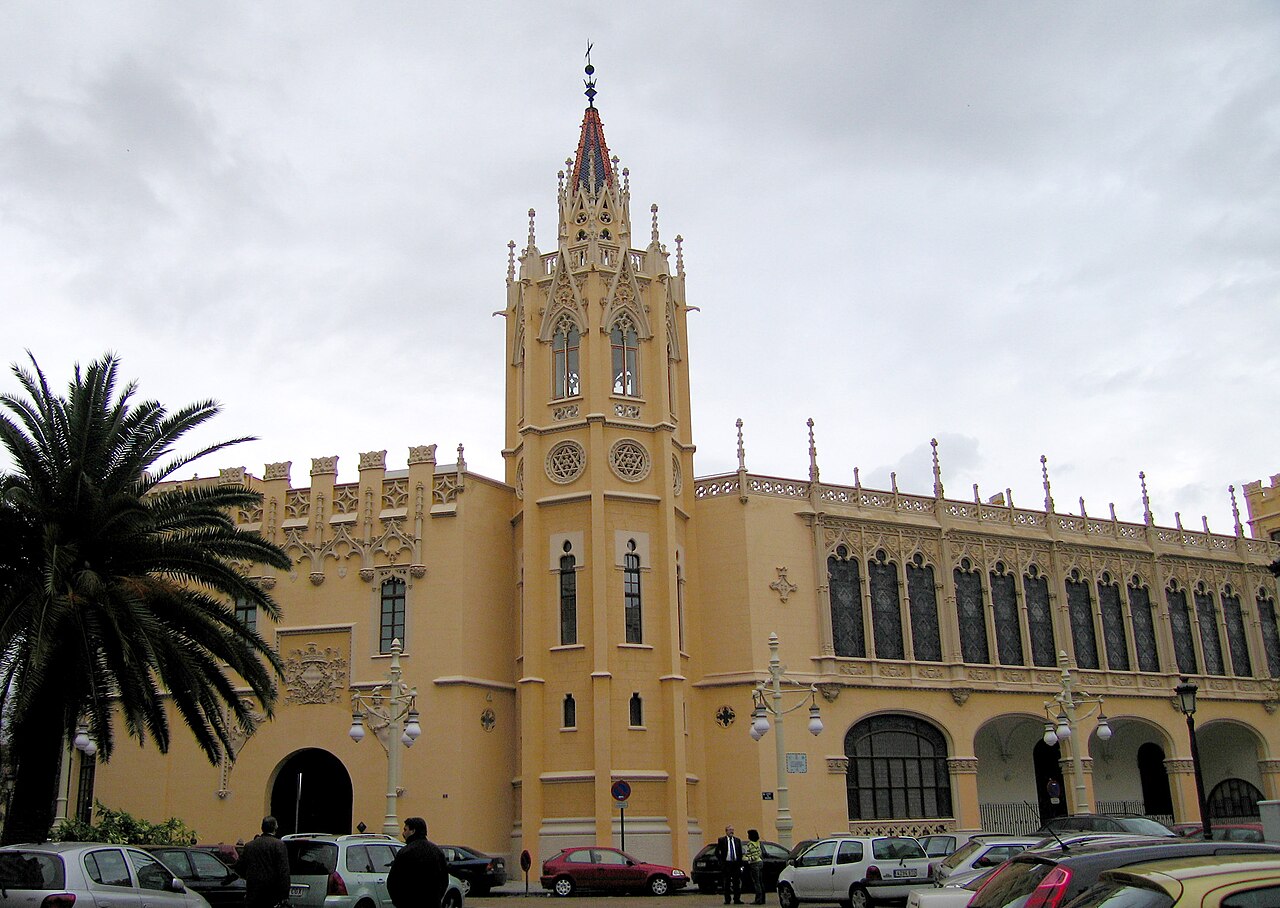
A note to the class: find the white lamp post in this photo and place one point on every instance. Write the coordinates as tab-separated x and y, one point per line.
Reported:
393	710
1063	726
761	696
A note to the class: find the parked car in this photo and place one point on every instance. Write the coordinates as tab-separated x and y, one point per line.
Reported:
1204	882
221	886
1224	832
607	870
227	854
940	845
855	871
476	871
347	871
980	853
1123	823
953	894
706	868
62	874
1051	877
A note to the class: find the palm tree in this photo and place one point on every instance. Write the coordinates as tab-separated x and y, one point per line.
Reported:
116	592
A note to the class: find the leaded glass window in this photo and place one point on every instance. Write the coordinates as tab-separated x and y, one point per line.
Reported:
1270	631
1184	649
1044	649
845	587
897	770
564	354
1114	639
1237	643
1144	628
971	615
1210	642
624	346
1084	639
631	603
1004	605
886	610
926	636
391	623
568	597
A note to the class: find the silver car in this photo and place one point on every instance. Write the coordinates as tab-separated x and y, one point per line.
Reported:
347	871
89	875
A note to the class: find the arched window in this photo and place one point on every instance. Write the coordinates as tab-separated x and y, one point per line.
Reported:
570	712
897	770
1270	630
926	636
568	597
391	618
1207	619
247	614
624	343
631	603
1044	649
680	604
886	609
1114	639
1008	619
1184	649
1234	799
1144	627
1084	639
564	351
971	614
1237	642
636	711
845	587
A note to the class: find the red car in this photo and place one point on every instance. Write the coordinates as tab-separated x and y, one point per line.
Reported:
607	870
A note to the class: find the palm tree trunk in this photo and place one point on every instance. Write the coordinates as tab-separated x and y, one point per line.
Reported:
37	746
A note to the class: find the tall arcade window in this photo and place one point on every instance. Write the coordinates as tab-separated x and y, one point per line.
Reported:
568	597
564	351
1044	649
631	604
886	612
1237	643
845	584
1207	619
1084	639
1184	648
1270	630
1114	639
391	619
972	616
897	769
247	614
624	345
1144	626
570	712
926	636
1004	605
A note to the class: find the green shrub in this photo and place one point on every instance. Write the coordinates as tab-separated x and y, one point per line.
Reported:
119	827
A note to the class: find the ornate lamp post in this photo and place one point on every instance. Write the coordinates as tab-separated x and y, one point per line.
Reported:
1186	694
388	706
1063	727
768	701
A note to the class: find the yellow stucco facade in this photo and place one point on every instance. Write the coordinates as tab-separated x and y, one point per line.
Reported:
601	614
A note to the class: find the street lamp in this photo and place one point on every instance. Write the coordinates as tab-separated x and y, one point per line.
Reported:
393	711
1186	697
1062	727
771	690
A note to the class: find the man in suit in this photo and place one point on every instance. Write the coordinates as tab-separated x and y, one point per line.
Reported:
264	864
729	851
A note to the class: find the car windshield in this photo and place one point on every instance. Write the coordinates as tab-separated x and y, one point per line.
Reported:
1120	895
1143	826
956	858
31	870
308	858
1011	885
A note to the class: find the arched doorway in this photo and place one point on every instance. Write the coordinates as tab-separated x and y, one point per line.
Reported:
1156	795
1050	787
312	793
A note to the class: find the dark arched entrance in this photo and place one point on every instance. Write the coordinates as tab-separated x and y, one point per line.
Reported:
1049	784
1157	799
312	793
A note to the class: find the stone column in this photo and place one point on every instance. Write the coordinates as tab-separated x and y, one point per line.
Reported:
964	792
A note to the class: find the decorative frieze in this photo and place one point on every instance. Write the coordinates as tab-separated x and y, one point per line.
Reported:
838	765
569	411
963	766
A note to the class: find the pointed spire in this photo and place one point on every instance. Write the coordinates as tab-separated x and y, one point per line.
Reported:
1235	511
653	233
813	450
1147	518
532	241
742	452
511	260
937	469
679	255
1048	496
592	168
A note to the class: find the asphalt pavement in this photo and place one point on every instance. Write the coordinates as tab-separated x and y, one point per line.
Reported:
689	897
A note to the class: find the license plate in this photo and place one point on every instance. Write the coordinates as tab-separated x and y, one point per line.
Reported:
298	891
902	873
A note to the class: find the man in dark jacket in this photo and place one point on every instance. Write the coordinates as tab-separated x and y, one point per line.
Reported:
264	864
419	875
729	851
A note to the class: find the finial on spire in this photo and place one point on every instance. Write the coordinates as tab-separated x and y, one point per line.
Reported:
532	243
1146	501
857	480
1204	518
511	260
1177	520
813	450
1112	506
1008	497
1083	512
1235	511
977	499
653	234
590	80
742	452
679	254
462	461
893	482
937	469
1044	472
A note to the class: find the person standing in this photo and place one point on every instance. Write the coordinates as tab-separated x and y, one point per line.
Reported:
264	864
419	874
729	851
753	855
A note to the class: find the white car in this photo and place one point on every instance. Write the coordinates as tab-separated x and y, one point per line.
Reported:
89	875
981	852
855	871
950	895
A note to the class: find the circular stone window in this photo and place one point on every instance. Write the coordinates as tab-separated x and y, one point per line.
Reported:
629	460
520	479
565	462
677	476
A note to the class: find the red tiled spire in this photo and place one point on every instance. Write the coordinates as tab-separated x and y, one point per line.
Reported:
591	167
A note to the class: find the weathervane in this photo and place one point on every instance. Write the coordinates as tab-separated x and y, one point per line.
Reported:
590	81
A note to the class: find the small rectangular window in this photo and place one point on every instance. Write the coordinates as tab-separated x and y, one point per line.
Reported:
247	614
392	614
631	599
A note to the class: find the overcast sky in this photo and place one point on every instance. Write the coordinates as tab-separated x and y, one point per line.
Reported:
1022	228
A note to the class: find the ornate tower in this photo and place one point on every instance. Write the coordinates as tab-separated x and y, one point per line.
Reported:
599	449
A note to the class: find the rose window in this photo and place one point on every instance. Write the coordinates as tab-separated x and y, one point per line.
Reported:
629	460
565	462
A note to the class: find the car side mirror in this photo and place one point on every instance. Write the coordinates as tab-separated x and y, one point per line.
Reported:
175	885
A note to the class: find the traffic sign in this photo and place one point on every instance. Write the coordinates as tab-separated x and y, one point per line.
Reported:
621	791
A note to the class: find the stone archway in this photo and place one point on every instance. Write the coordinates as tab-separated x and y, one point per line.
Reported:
312	793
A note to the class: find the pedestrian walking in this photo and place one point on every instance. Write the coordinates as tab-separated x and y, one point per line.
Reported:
419	874
264	864
753	856
729	851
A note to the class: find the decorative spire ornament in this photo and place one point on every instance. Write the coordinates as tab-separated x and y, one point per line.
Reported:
590	80
679	255
813	454
511	260
1235	512
653	233
532	241
742	452
1048	495
937	469
1147	517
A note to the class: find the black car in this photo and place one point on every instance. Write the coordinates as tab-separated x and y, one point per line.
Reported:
1050	876
706	868
476	871
201	872
1118	823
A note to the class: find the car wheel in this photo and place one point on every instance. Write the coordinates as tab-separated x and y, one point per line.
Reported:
858	897
659	885
563	886
787	896
465	885
452	899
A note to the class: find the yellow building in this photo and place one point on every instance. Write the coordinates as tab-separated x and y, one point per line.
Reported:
600	615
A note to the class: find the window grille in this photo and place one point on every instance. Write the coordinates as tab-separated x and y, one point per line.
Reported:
897	770
1008	621
1114	639
1084	638
886	610
971	614
1044	649
926	637
1270	632
1144	628
1180	625
845	586
1210	642
1237	642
